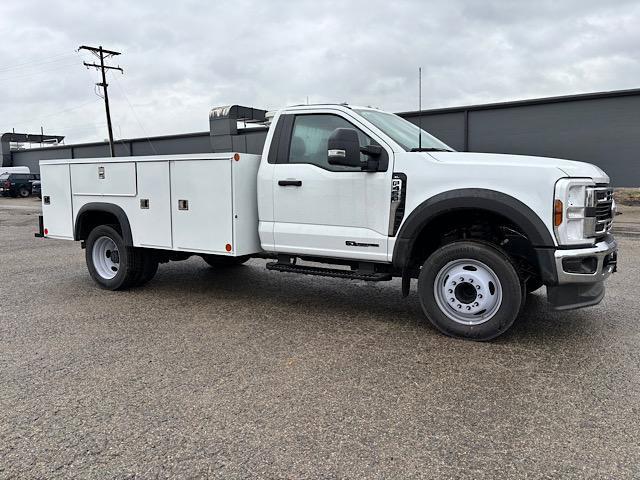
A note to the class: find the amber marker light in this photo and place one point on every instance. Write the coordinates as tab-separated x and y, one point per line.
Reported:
557	212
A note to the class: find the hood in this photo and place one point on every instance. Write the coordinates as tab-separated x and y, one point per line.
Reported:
570	168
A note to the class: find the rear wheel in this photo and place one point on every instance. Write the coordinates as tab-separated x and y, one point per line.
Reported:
470	290
149	267
112	264
220	261
24	192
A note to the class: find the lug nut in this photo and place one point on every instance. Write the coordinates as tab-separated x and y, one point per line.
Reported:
479	295
471	280
450	291
478	287
468	308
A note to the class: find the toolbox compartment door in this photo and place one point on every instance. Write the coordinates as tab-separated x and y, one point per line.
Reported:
202	206
111	179
56	201
151	212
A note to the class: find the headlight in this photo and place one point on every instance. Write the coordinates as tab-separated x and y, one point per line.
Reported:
573	220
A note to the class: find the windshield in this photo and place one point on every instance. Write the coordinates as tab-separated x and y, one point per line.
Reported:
403	132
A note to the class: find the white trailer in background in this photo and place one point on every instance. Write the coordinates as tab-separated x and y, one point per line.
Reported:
4	170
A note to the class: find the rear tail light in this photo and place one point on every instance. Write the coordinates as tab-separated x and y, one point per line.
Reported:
7	184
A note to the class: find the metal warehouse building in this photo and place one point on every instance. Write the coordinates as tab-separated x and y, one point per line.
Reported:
601	128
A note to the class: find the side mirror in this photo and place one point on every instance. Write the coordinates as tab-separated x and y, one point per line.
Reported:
343	148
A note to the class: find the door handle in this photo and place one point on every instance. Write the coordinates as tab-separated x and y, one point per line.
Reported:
290	183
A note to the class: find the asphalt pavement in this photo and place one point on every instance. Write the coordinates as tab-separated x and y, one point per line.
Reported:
247	373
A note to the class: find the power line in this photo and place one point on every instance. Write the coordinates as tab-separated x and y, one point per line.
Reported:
25	74
31	63
126	97
101	54
52	114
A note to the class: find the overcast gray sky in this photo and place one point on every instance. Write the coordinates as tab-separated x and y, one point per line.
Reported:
182	58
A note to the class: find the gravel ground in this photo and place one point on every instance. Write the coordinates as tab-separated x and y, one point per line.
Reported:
246	373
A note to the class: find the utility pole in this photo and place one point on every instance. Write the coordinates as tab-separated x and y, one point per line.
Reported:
101	54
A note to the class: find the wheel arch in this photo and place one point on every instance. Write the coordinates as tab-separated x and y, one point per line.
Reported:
99	213
484	200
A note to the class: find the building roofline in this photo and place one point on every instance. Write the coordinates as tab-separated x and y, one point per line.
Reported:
522	103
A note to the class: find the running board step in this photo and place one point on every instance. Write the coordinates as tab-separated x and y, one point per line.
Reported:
329	272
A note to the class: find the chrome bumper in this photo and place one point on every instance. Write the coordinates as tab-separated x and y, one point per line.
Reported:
605	253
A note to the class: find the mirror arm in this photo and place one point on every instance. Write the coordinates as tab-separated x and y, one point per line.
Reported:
371	150
370	165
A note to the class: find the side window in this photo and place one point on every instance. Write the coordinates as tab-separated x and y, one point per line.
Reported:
310	136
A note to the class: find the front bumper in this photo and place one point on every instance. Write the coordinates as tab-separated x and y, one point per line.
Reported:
603	254
581	273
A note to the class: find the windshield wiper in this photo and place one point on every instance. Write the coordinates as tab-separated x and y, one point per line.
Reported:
430	149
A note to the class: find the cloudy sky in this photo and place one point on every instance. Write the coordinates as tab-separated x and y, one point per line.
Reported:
182	57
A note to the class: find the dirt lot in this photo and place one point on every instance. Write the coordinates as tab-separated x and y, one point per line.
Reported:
247	373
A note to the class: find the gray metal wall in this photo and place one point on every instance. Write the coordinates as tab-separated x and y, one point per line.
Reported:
599	128
603	129
168	145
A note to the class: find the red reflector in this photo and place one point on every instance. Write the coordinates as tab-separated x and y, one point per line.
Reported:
236	157
228	247
46	231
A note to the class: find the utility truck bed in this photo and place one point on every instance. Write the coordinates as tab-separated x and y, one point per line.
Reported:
204	203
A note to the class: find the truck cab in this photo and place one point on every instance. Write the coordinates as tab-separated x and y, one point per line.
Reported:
369	195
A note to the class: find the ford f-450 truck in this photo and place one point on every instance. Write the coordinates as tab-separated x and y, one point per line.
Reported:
364	192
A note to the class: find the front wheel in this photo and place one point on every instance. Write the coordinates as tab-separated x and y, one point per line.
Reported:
470	290
24	192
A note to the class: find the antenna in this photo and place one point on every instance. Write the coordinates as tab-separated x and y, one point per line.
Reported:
420	108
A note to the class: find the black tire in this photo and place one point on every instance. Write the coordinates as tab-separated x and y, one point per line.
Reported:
149	267
131	262
505	271
24	192
220	261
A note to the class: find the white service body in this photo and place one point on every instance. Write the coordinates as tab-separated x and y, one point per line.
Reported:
220	216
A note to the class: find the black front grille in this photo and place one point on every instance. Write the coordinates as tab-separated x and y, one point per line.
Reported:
603	210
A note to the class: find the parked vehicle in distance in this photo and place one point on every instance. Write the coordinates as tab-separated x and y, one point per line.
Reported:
36	188
363	191
4	170
17	184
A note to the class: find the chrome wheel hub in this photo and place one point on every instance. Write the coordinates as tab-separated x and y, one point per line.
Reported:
468	291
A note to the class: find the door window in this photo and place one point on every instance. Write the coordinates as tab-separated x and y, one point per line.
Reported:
310	137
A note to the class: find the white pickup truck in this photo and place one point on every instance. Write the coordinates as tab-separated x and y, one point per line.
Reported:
362	191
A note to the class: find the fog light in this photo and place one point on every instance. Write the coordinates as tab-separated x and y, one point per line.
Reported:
585	265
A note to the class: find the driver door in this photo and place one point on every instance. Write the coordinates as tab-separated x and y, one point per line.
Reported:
328	210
